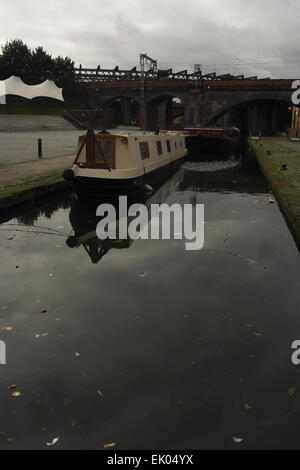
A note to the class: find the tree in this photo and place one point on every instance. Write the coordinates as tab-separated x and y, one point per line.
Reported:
15	60
34	66
63	71
41	66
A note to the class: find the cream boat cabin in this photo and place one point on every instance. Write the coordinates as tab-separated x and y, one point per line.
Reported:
119	163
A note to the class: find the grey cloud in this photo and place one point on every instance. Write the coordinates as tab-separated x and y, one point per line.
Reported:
258	37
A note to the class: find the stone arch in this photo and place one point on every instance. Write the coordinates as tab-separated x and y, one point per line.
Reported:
120	109
165	110
259	107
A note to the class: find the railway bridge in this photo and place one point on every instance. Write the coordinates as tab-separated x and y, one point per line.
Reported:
169	99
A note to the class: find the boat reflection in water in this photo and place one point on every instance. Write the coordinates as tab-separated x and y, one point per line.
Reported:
84	220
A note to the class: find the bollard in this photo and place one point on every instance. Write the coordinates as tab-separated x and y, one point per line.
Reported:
40	148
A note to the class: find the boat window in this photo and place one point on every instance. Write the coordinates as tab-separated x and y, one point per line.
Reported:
159	147
144	148
168	146
98	156
109	152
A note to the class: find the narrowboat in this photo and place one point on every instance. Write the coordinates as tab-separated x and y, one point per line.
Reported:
115	163
205	142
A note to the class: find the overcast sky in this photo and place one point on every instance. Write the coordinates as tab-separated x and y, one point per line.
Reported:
253	37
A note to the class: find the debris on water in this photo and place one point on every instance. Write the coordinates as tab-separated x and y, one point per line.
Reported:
41	335
6	328
16	394
271	201
226	240
53	442
247	406
100	393
44	310
74	423
257	334
292	391
247	260
109	445
143	275
4	307
17	267
237	440
13	386
77	354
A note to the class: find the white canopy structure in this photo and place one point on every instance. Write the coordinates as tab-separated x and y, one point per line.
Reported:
15	86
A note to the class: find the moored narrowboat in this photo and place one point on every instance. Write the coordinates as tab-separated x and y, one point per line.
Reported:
122	163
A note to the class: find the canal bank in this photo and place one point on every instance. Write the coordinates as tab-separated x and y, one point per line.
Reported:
279	161
25	181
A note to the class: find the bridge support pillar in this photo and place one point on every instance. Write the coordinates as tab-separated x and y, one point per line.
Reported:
143	116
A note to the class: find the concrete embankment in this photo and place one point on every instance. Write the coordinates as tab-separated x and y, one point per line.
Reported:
30	189
21	182
273	156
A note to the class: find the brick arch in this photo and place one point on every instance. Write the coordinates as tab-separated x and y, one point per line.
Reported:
160	111
167	94
224	108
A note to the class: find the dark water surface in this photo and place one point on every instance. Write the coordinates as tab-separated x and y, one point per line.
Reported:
147	345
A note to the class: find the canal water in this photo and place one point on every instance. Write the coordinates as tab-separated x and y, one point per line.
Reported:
144	345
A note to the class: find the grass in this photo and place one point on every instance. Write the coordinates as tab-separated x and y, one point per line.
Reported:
285	184
30	188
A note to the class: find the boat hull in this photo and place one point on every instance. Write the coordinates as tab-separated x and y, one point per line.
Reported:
127	186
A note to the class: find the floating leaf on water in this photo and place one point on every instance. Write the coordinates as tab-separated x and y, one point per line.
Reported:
237	440
292	391
109	445
247	406
54	441
257	334
74	423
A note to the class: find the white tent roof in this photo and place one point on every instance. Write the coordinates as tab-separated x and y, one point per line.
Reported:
15	86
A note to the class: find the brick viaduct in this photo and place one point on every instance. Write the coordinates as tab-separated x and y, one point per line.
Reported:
202	101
